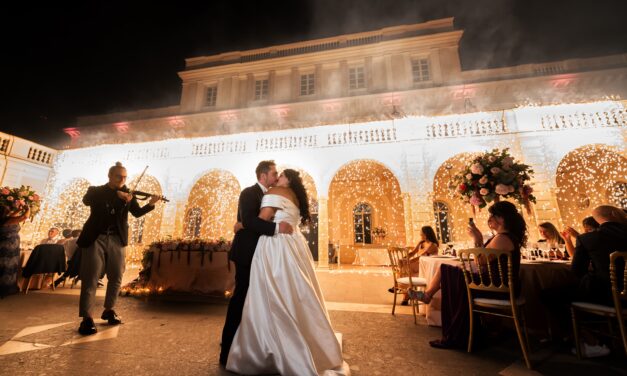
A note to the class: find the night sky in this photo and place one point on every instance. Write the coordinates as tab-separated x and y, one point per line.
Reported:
63	62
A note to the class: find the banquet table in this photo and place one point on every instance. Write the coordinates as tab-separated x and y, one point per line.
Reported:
371	256
535	276
196	272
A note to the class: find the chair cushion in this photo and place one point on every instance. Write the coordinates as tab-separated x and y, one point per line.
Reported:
594	307
498	302
415	281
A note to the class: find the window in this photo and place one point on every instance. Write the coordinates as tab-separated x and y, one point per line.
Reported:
212	96
261	90
420	70
442	229
307	82
356	78
362	223
194	219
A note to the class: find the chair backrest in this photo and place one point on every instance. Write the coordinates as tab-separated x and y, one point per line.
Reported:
399	261
483	270
618	292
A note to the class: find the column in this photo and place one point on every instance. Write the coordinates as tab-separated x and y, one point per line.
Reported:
409	238
323	232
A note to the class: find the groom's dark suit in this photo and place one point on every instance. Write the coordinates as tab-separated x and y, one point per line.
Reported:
242	251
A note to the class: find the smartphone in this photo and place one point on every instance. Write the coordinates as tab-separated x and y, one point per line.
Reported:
471	222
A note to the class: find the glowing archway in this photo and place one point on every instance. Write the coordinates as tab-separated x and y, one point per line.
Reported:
589	176
366	181
213	201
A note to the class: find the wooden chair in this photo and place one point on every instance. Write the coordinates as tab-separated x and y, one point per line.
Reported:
619	295
502	281
403	279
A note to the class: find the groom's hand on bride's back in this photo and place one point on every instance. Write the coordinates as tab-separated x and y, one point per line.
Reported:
285	228
237	226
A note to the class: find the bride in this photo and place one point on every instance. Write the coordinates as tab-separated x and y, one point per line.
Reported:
285	326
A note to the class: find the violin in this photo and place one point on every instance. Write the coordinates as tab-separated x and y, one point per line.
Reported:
141	195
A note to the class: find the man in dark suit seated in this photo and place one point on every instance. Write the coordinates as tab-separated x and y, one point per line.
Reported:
591	262
103	242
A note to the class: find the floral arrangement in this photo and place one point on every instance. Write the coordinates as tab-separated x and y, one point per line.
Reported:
379	232
18	200
493	175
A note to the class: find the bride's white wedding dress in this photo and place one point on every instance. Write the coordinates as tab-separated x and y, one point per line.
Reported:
285	327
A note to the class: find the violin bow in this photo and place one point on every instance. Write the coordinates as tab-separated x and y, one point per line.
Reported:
137	182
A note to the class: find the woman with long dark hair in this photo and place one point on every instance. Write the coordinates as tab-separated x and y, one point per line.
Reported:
285	327
427	246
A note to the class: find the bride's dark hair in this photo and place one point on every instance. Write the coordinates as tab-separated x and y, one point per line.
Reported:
296	184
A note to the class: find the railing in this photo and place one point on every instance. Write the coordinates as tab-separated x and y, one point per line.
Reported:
38	155
600	119
466	128
221	147
285	143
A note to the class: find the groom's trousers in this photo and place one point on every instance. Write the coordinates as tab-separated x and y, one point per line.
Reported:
236	306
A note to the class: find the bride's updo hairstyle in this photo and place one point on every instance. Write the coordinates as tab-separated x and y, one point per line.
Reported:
296	184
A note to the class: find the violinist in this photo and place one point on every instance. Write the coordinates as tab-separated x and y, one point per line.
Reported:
103	240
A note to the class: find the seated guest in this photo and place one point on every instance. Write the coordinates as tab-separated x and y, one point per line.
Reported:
589	225
427	246
66	235
549	234
591	262
511	234
70	247
52	236
591	266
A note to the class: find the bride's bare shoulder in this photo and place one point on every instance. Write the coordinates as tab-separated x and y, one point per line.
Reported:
280	191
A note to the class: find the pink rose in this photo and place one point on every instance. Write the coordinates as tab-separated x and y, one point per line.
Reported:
5	191
30	198
484	191
510	188
495	170
476	169
501	189
35	197
483	180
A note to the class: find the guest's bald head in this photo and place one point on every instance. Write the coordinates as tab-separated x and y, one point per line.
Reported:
608	213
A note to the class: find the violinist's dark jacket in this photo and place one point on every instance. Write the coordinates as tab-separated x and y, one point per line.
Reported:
109	214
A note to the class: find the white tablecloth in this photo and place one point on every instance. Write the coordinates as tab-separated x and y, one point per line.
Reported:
428	267
371	256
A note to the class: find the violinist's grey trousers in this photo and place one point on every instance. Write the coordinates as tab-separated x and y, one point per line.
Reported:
106	255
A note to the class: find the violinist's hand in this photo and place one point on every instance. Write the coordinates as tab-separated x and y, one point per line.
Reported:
237	226
154	199
126	197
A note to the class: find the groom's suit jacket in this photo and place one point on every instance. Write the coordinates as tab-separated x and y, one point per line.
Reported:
245	240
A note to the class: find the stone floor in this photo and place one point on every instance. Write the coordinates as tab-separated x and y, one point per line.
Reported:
167	336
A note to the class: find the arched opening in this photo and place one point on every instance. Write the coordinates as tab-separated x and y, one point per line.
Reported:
451	213
587	177
212	206
366	181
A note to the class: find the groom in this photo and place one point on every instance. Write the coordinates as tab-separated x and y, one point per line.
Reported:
244	244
